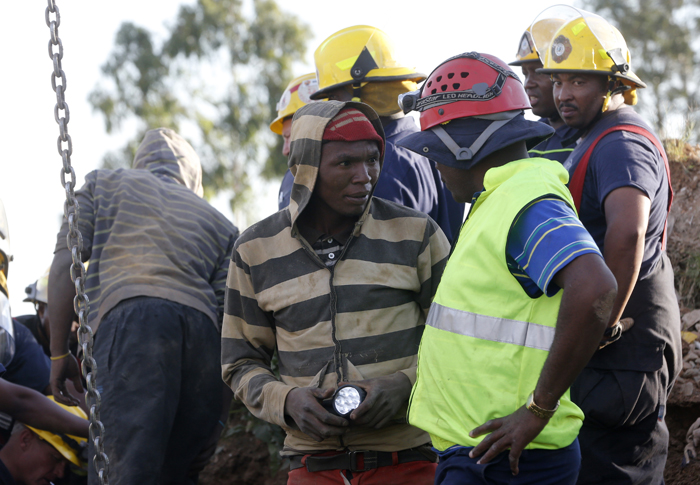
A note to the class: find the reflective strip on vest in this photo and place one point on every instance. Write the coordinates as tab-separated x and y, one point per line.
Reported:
495	329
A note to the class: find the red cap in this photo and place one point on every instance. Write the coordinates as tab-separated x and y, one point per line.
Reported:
352	125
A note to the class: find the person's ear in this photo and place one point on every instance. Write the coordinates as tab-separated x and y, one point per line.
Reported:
25	439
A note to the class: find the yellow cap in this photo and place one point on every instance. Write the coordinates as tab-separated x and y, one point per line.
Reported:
297	94
358	54
66	445
589	44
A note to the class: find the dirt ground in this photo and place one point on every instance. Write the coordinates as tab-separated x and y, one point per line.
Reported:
243	459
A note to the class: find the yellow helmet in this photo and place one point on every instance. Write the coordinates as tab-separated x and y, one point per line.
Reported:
71	447
5	254
532	49
297	94
356	55
587	43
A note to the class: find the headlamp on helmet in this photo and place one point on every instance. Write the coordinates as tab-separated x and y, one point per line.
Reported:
479	90
470	84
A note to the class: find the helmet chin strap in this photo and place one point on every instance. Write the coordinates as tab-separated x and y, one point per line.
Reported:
356	92
614	87
464	153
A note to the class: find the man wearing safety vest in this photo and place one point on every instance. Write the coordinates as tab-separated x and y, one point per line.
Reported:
296	95
524	299
620	182
360	64
539	91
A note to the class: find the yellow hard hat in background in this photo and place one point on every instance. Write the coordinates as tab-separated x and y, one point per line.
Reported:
532	49
589	44
297	94
356	55
71	447
5	254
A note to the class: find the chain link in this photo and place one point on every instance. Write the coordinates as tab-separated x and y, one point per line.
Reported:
74	240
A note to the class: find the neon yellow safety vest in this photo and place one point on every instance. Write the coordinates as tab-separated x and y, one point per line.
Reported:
485	339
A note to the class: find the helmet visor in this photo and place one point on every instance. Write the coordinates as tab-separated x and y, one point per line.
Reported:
7	332
551	19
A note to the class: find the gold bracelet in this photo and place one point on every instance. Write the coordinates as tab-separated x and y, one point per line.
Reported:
538	411
60	356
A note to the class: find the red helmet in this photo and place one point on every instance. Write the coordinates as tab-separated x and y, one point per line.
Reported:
470	84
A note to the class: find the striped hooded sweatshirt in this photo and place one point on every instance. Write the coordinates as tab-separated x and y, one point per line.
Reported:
148	232
358	319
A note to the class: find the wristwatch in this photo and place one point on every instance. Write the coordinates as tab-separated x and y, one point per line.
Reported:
538	411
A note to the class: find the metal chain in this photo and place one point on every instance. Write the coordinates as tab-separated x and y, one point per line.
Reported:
74	240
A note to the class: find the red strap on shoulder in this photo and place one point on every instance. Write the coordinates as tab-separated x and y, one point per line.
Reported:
579	176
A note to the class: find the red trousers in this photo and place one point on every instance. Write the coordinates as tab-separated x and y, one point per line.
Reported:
411	473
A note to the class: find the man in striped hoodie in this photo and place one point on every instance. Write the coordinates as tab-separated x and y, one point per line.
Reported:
339	284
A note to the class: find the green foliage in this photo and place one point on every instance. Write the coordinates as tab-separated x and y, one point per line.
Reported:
664	39
215	79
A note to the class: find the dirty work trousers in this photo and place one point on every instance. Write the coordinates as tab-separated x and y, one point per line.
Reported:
536	467
623	390
159	374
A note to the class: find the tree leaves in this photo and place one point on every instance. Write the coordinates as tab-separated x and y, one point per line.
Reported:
215	79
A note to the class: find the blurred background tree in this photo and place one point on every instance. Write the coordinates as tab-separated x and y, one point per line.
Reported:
664	38
215	79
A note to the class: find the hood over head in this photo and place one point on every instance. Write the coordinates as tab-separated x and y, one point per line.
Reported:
308	126
164	152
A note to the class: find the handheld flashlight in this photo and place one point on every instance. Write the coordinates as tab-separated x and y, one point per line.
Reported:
344	400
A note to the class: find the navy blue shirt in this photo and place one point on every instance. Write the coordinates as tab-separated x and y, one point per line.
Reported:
30	367
557	147
623	159
5	477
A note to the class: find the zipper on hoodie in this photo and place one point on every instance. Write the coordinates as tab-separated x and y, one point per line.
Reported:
337	353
